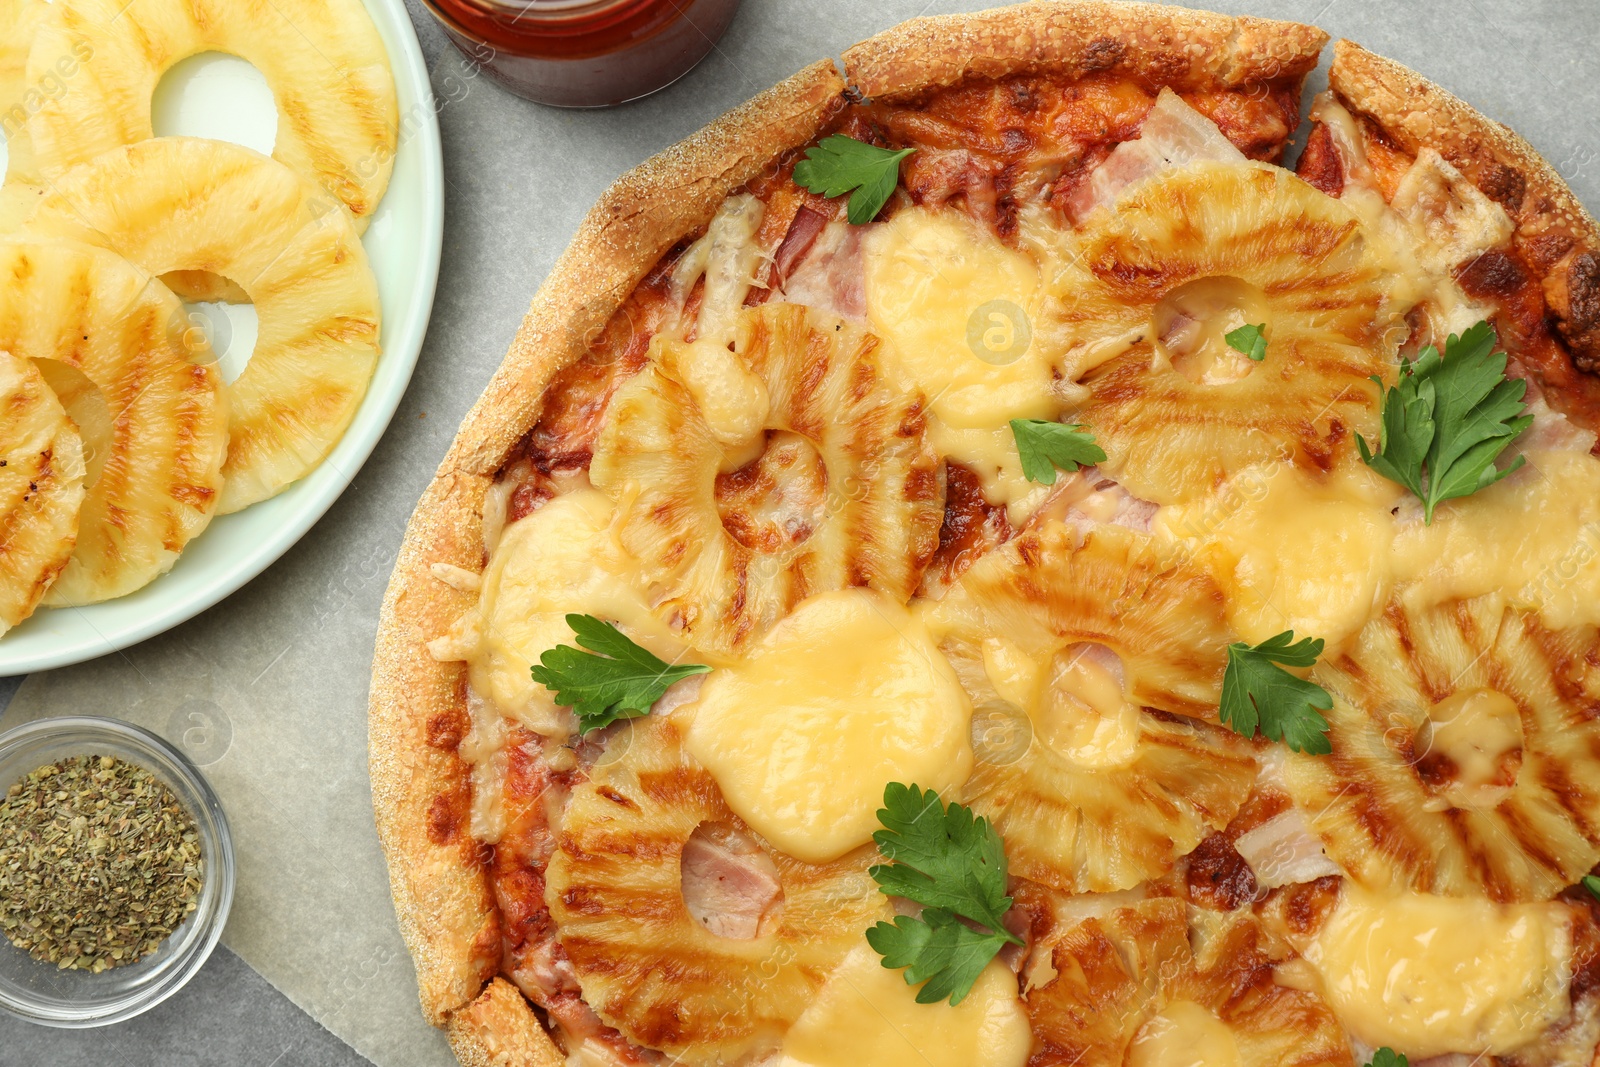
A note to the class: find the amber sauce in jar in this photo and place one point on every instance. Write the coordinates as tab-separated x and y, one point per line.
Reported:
585	53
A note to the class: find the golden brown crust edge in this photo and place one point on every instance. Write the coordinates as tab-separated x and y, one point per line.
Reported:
1172	45
500	1030
415	717
1416	113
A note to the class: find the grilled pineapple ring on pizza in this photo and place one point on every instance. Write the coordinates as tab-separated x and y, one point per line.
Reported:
338	123
1184	259
636	443
105	336
849	491
1061	646
41	488
1466	741
647	965
179	203
1125	985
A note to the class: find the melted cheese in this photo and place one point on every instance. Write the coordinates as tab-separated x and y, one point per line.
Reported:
1428	976
867	1016
1534	536
1184	1034
558	560
846	695
1085	713
957	307
1293	551
729	258
1479	733
1434	225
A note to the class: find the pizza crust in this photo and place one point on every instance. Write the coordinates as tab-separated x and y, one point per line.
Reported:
1170	45
417	712
1415	113
500	1030
417	706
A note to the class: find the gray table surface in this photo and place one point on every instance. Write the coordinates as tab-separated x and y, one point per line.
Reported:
1530	63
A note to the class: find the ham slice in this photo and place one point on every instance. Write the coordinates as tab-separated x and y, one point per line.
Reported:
1284	851
1173	135
830	275
730	885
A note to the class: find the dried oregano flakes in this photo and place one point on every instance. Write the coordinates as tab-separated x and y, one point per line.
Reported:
99	863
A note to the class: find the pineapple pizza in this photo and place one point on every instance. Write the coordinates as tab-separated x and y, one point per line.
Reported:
992	558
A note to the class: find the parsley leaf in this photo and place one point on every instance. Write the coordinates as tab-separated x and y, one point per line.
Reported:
938	949
1592	884
840	164
1388	1057
1452	415
614	679
1043	446
1250	340
1257	692
954	866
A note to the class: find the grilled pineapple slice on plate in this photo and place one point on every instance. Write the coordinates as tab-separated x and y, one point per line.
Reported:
184	203
41	488
19	24
338	124
1124	986
646	965
843	488
158	472
1151	290
1466	754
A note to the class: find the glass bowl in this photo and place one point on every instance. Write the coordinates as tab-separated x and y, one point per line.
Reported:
43	993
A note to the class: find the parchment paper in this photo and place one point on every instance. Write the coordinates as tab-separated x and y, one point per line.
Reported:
269	689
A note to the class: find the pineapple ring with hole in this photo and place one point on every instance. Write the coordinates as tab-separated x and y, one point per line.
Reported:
180	203
646	965
41	488
1046	589
1086	828
338	124
1372	802
1118	976
158	476
1095	829
1246	243
880	497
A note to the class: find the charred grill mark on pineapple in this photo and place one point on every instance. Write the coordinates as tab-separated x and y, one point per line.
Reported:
1302	264
41	488
1113	968
1384	807
1085	829
846	492
645	963
95	323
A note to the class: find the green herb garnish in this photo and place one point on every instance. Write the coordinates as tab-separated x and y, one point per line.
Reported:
1257	693
1451	415
1388	1057
954	866
840	164
1249	340
1043	446
614	679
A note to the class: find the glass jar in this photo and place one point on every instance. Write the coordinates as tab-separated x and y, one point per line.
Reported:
584	53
